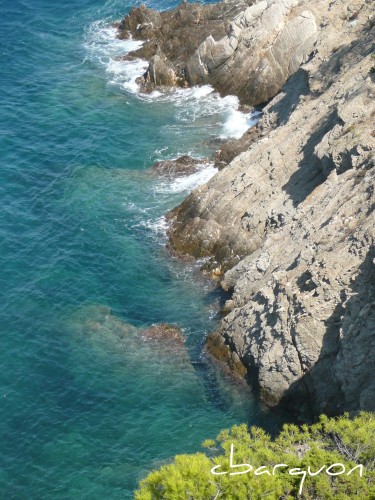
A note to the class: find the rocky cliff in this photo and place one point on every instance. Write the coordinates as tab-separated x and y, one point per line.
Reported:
244	48
290	221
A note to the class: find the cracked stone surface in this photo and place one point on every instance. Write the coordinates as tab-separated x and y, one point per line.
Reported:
291	221
245	48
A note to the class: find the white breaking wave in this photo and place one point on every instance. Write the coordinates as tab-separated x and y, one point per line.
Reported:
103	46
237	123
125	73
167	190
188	183
194	180
199	105
158	226
193	109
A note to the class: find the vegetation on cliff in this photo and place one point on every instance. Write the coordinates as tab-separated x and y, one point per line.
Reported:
333	458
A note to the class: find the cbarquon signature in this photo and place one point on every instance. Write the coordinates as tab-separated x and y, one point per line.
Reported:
336	469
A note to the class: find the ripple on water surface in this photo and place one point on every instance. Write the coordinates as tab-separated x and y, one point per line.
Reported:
87	405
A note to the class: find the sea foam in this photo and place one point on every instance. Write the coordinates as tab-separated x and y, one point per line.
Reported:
103	46
192	105
188	183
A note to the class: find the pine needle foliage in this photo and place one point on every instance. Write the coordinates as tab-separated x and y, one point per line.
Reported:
334	445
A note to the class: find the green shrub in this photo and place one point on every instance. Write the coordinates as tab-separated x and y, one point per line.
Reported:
346	444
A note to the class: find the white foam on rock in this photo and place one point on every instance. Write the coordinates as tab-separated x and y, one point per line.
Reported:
103	46
158	227
237	123
194	180
192	104
165	191
188	183
197	106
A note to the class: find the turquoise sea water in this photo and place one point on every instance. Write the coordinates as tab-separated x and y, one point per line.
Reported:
86	406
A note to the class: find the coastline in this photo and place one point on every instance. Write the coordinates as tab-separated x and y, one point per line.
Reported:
89	400
286	223
106	370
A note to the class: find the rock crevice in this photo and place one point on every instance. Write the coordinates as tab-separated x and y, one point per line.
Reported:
242	48
290	218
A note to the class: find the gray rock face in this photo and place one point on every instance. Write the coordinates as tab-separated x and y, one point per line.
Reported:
241	49
265	44
161	72
175	34
291	221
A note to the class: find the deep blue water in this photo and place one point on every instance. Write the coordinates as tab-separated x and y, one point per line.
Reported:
84	411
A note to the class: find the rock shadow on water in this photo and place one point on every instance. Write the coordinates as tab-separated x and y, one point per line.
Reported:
229	390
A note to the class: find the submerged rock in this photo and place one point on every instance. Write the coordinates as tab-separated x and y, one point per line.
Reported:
104	333
168	342
98	327
164	333
180	167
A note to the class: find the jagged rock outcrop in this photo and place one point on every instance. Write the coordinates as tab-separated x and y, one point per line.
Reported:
244	49
233	147
180	167
173	36
265	44
291	220
229	359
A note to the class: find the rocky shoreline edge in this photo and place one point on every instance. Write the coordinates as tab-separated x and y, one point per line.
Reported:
288	222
